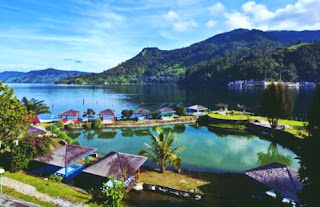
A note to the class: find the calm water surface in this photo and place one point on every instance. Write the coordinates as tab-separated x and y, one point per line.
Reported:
206	150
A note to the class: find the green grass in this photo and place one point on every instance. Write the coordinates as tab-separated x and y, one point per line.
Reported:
15	194
51	188
229	126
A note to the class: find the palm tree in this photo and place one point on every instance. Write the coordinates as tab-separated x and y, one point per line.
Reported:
38	107
161	150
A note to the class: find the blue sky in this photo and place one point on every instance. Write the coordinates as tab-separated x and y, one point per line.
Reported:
95	35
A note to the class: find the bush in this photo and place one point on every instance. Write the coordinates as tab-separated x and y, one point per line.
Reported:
53	127
232	113
88	125
60	124
155	114
70	126
68	139
180	110
127	113
75	142
56	178
97	123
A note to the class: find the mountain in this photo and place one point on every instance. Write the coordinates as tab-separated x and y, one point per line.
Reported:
221	51
49	75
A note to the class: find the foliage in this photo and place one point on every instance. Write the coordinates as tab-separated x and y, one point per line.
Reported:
26	151
55	178
161	150
89	113
180	110
14	118
75	142
273	155
60	124
36	106
97	123
127	113
276	103
155	114
70	126
62	134
113	195
88	125
309	173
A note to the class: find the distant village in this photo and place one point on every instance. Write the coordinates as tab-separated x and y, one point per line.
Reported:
261	83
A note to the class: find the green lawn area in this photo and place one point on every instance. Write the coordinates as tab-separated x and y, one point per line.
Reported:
13	193
53	189
298	126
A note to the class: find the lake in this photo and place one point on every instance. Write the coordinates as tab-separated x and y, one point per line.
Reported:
206	149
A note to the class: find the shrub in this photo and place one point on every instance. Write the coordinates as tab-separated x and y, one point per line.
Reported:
180	110
53	127
60	124
56	178
155	115
88	125
68	139
113	195
70	126
232	113
75	142
97	123
127	113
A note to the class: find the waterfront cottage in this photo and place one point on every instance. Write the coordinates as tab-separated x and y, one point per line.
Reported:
197	110
142	113
70	113
166	113
107	116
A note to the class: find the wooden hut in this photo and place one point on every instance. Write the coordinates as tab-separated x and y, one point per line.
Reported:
107	116
197	110
119	165
166	113
64	160
280	178
70	113
142	113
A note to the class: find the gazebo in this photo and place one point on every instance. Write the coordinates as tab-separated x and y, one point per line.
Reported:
64	160
282	179
197	110
142	113
117	164
36	130
166	113
70	113
109	114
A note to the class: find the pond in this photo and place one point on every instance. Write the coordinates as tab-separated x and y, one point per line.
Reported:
205	149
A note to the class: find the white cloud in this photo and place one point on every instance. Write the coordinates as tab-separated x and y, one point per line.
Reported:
171	15
259	11
167	35
217	9
238	20
182	26
211	23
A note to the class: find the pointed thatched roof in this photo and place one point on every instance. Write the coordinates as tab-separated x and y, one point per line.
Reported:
142	111
115	163
70	113
278	177
197	107
107	112
166	110
66	155
36	130
222	105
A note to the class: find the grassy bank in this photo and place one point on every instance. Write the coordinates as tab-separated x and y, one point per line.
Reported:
298	127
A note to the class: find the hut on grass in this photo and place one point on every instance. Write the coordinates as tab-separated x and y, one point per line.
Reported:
119	165
282	179
65	161
36	130
70	113
142	113
167	113
107	116
197	110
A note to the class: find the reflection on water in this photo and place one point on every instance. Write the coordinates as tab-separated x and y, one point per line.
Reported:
205	150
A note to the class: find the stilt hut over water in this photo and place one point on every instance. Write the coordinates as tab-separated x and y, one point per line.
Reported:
65	161
282	180
107	116
70	113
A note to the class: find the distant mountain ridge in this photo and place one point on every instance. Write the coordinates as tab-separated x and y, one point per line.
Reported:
49	75
221	51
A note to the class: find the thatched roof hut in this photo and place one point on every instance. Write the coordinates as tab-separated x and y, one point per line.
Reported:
167	110
65	155
115	164
36	130
198	108
107	112
142	111
282	179
70	113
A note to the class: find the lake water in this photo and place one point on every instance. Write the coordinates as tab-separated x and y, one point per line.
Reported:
206	150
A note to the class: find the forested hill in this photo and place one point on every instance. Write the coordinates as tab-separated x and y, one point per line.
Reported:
215	59
49	75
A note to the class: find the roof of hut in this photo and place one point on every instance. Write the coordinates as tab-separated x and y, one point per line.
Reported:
166	110
221	105
35	120
115	163
65	155
36	130
142	111
197	107
107	112
278	177
70	113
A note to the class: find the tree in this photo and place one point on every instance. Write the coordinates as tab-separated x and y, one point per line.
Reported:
37	106
14	117
179	110
276	103
308	171
127	113
113	195
89	113
161	150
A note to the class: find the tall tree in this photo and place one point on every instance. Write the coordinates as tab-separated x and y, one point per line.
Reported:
276	103
161	150
13	117
37	106
308	171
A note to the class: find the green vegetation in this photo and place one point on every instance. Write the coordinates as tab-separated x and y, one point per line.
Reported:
161	150
127	113
55	178
229	126
180	110
35	106
276	103
113	195
97	123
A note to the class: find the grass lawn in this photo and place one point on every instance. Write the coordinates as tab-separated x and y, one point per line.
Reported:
51	188
13	193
